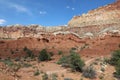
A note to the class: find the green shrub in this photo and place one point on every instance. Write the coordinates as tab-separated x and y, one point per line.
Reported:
7	62
43	55
30	54
64	60
115	61
25	48
26	65
76	62
101	77
102	69
73	61
115	57
51	53
89	72
68	79
36	73
54	76
60	53
73	48
45	77
12	52
117	68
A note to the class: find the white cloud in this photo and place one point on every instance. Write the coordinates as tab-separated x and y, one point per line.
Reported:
16	6
2	21
73	9
19	8
43	12
67	6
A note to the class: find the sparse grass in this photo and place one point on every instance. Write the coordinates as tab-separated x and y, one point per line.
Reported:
37	72
14	66
7	62
26	65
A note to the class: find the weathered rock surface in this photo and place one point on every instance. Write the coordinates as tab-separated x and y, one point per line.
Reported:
109	14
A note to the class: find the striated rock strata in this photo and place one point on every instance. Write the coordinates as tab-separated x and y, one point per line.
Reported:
109	14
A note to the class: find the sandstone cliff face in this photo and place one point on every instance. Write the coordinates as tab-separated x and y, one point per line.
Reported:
17	31
109	14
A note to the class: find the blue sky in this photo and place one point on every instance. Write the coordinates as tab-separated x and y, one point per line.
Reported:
45	12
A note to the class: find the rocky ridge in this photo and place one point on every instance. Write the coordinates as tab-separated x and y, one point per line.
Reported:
109	14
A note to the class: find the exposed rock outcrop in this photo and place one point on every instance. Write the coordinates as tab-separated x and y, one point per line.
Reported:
109	14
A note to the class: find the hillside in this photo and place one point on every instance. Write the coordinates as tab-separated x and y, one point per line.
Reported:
109	14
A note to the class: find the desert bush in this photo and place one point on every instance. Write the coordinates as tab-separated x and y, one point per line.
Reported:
117	68
51	54
68	79
60	52
115	57
43	55
15	67
30	54
26	65
73	48
73	61
106	60
89	72
54	76
102	69
115	61
64	60
25	48
12	52
101	77
37	72
45	77
76	62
